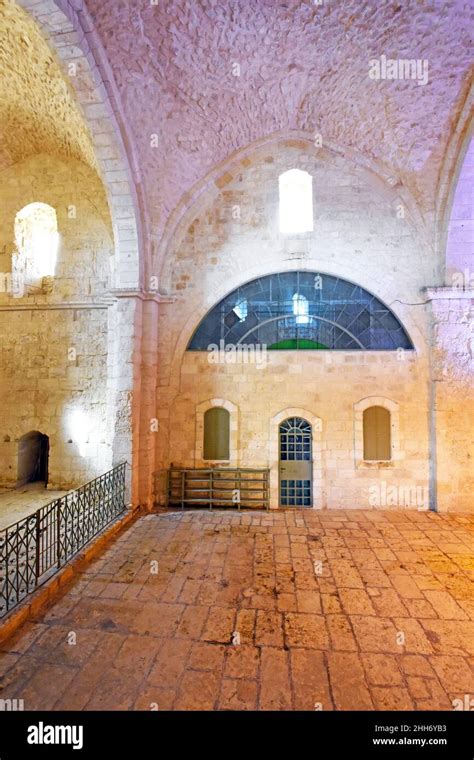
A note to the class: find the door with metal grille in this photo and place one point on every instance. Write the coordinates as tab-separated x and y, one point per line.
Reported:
296	463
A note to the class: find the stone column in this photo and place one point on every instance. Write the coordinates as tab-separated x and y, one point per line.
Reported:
123	385
452	407
150	423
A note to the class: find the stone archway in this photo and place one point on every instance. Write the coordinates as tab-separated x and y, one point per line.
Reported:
69	32
33	453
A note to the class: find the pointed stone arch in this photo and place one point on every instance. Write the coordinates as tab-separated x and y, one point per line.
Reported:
69	32
451	174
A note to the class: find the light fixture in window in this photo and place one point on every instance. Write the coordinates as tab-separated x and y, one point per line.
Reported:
301	309
296	201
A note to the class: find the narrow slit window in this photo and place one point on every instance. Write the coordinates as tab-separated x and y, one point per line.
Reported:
216	434
296	202
377	437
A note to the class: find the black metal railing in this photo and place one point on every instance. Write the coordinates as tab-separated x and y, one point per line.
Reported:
33	549
234	487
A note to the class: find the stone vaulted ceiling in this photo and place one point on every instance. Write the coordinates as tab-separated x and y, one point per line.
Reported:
303	66
37	111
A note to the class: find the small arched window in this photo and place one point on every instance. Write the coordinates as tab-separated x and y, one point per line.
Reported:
36	239
216	434
296	201
377	438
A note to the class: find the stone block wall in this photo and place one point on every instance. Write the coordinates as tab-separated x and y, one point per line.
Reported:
326	386
54	347
360	235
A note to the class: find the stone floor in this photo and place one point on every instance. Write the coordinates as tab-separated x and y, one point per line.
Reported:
271	611
17	503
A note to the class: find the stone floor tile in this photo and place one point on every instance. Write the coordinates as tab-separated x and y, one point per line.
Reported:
445	605
416	639
374	634
192	621
308	601
275	685
391	698
152	698
354	610
386	602
269	629
310	680
198	691
382	670
46	686
170	663
80	690
206	656
306	630
340	633
220	625
416	665
349	685
238	694
454	673
356	601
242	662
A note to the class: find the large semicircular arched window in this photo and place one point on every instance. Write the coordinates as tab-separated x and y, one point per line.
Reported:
301	310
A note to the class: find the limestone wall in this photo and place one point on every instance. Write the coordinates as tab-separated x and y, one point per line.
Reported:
359	234
53	347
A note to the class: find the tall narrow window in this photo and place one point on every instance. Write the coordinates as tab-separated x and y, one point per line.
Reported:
296	201
36	239
216	434
377	439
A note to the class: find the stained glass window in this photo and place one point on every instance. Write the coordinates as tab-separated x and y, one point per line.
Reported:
327	313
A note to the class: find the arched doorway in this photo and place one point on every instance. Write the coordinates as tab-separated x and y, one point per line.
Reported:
295	463
33	453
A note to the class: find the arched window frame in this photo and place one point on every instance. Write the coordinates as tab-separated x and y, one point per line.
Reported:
201	409
27	265
359	409
295	202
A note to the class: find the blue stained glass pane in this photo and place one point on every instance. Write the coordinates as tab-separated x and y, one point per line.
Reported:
338	315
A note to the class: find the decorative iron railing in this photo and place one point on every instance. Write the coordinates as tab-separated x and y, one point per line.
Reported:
35	548
234	487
